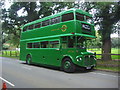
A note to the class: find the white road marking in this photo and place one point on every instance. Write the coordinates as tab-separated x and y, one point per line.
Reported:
7	81
26	68
105	74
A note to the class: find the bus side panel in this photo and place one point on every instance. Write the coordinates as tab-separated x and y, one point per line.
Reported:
78	27
56	29
53	57
70	52
45	56
36	55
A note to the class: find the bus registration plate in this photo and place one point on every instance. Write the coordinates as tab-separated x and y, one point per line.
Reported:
88	67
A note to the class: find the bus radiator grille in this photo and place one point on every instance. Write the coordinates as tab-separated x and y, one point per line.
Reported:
88	60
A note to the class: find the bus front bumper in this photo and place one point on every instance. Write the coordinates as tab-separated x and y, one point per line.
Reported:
87	61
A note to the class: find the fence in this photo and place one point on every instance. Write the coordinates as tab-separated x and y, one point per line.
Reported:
113	56
16	54
10	53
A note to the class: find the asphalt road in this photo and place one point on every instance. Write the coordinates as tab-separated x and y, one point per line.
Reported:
17	74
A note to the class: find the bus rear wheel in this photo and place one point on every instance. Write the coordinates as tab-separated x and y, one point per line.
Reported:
68	66
28	59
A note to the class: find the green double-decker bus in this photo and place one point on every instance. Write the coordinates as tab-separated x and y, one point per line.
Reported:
59	40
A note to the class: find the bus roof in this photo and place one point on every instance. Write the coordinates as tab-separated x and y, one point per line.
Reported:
58	14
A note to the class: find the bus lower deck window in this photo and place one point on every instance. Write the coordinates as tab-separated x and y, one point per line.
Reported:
64	45
36	45
29	45
54	44
64	38
44	44
71	42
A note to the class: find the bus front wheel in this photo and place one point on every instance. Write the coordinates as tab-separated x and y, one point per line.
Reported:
68	66
28	59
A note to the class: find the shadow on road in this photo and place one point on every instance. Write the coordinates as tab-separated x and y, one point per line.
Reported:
78	70
83	71
43	66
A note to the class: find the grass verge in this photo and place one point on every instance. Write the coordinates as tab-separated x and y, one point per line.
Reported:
108	65
9	56
111	69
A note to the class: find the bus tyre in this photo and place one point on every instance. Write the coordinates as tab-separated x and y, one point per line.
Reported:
68	66
28	59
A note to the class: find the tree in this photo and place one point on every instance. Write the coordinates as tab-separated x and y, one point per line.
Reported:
107	17
115	42
1	14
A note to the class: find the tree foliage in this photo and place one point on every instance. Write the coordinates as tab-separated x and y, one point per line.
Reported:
32	11
107	17
115	42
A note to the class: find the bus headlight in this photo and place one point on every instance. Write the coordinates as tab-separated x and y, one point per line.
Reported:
80	59
77	59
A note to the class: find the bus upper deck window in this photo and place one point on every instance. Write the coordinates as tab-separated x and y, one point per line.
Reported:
37	25
24	29
67	17
55	20
30	27
45	23
79	17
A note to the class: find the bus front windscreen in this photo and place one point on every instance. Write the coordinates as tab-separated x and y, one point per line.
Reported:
81	42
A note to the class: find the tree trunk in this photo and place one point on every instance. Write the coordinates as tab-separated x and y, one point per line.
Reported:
106	47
